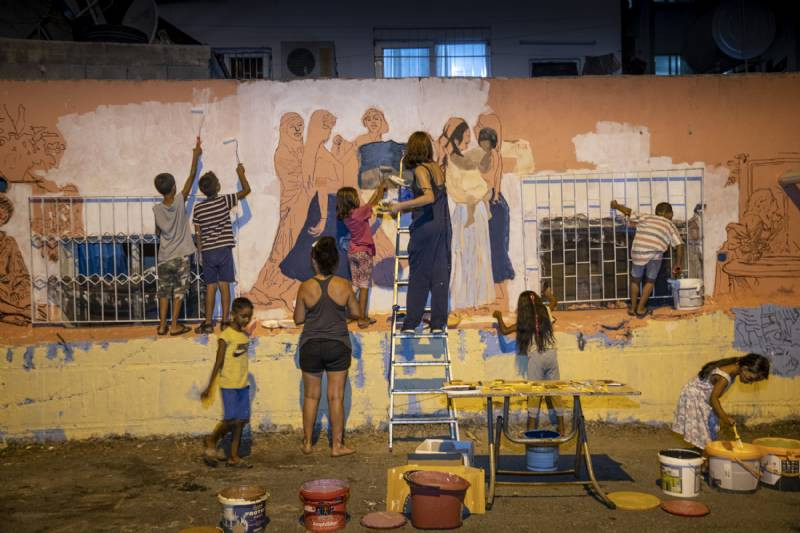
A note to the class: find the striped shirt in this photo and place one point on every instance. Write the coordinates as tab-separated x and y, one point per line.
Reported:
214	218
654	235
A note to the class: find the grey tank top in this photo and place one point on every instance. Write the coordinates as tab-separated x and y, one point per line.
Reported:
326	319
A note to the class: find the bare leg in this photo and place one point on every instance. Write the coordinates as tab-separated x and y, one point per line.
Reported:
634	293
336	384
363	298
646	291
312	390
551	406
211	292
163	304
176	311
236	439
211	441
225	297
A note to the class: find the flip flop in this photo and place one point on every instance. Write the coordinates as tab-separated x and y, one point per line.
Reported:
631	312
239	464
210	460
204	329
161	332
183	329
647	311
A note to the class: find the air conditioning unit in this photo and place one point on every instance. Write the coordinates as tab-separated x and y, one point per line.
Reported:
310	59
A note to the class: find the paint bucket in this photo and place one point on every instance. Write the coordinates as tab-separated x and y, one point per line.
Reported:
437	498
324	504
733	468
687	293
244	509
538	457
780	464
680	472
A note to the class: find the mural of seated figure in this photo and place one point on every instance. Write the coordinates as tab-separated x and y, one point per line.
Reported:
15	282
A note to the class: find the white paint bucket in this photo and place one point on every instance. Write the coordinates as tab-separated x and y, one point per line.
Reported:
733	467
687	293
244	509
780	465
680	472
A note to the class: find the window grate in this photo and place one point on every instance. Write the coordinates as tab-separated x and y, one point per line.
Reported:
576	244
94	261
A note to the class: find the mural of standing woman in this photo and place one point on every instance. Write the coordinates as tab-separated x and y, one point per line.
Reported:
15	282
272	287
322	176
489	134
471	281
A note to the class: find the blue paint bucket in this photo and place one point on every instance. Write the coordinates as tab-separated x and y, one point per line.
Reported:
540	458
244	509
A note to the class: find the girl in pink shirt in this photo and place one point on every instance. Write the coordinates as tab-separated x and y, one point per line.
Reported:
362	248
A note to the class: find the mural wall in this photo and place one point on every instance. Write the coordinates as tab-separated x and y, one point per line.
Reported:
302	141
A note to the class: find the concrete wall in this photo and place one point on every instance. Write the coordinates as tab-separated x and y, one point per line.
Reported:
350	26
111	138
24	59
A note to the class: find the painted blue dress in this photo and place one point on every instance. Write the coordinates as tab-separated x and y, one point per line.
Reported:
499	228
297	263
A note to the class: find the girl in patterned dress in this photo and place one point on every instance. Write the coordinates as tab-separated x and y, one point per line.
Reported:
699	412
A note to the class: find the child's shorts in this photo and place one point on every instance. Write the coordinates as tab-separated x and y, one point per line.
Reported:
173	277
218	265
542	365
650	270
360	269
236	403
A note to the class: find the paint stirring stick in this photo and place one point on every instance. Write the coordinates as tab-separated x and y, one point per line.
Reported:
236	144
738	440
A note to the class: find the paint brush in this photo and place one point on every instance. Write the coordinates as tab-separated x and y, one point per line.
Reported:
199	111
738	439
236	144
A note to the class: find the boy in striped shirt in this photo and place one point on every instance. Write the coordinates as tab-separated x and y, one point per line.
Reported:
212	223
654	236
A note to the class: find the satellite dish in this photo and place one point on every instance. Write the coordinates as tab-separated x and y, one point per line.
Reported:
142	15
743	29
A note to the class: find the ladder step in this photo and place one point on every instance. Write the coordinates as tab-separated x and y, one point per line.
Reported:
401	282
422	363
402	309
401	256
403	230
423	420
418	391
420	335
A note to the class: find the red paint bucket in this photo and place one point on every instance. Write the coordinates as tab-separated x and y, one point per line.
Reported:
436	498
324	504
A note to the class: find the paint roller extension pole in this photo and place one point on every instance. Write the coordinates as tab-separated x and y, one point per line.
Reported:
236	146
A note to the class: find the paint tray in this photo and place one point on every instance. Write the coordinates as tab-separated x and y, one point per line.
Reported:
444	452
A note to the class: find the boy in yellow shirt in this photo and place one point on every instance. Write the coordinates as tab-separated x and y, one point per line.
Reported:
231	365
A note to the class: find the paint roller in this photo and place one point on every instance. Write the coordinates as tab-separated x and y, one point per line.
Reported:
236	146
199	111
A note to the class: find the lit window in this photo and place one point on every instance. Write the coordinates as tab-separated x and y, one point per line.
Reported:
447	53
671	65
406	62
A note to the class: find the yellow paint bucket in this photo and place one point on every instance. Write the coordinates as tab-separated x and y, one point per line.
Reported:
780	464
733	467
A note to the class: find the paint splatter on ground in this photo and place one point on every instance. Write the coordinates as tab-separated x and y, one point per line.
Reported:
161	485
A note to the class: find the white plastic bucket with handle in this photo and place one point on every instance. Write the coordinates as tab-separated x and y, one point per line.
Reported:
687	293
680	472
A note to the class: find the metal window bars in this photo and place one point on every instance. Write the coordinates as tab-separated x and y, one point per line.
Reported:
94	260
575	243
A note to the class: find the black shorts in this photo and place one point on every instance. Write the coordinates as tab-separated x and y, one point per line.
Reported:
317	355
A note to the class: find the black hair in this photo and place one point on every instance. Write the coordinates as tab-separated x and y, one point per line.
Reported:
755	363
325	255
663	208
533	324
209	184
164	183
241	303
455	138
488	134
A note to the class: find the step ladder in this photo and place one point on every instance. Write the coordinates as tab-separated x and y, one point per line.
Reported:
407	356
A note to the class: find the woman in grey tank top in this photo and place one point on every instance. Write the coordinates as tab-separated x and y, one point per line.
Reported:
321	307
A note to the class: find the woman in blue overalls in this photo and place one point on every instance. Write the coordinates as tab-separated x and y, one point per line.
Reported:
429	246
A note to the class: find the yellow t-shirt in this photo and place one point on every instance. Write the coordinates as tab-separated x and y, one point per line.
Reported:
234	367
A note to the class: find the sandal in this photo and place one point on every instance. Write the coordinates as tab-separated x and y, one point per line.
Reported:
183	329
209	459
647	311
239	464
204	329
162	332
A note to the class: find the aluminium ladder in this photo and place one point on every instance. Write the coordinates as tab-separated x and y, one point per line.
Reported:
400	360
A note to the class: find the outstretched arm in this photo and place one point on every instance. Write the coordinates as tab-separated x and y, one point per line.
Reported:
621	208
377	196
551	297
501	325
720	384
243	180
424	182
187	186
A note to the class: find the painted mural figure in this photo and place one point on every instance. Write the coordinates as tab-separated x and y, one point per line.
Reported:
489	134
471	280
755	235
272	285
15	282
323	173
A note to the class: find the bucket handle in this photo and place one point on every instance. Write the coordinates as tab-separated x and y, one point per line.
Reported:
756	474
